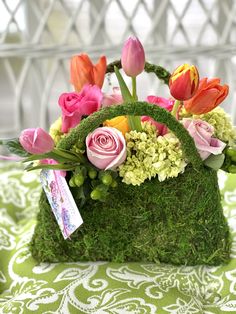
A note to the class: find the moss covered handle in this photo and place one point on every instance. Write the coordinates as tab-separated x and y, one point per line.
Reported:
138	108
160	72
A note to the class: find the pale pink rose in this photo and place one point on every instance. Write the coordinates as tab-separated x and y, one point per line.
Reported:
36	141
75	105
161	102
112	99
202	133
106	148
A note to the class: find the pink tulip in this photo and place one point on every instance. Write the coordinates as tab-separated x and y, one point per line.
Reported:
133	57
161	102
202	133
106	148
36	141
112	99
75	105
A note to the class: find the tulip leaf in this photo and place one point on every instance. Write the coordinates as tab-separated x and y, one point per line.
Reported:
123	87
52	167
134	121
13	145
49	155
69	155
215	161
58	155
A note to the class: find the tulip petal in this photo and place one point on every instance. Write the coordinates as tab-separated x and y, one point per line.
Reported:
208	96
82	71
99	71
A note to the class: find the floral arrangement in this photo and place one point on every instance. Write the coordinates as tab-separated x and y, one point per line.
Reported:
145	164
131	147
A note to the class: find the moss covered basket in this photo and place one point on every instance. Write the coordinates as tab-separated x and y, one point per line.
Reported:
178	221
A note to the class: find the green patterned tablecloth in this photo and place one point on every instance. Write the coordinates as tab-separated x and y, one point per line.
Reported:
101	287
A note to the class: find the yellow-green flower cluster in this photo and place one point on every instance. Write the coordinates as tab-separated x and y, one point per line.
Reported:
55	130
223	127
220	120
149	155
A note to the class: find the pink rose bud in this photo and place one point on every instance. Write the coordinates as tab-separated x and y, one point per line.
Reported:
36	141
133	57
76	105
202	133
106	148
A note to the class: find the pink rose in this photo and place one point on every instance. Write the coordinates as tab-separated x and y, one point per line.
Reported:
75	105
202	133
36	141
112	99
106	148
164	103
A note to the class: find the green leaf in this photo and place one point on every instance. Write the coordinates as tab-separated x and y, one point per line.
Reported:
123	87
215	161
61	156
134	121
38	157
52	167
14	147
69	155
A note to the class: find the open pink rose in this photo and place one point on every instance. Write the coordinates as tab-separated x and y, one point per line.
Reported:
106	148
36	141
75	105
112	99
161	102
202	133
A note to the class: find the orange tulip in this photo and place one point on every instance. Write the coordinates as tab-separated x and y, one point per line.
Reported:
208	96
184	82
120	123
82	71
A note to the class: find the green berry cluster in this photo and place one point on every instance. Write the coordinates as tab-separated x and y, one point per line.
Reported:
92	182
102	184
230	160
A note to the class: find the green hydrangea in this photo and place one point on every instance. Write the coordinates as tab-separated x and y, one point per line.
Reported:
149	155
223	127
220	120
55	130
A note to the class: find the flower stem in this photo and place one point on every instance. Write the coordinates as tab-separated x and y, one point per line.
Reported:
175	108
134	121
134	88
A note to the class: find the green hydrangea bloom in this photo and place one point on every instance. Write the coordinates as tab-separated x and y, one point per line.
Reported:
149	155
55	130
220	120
223	127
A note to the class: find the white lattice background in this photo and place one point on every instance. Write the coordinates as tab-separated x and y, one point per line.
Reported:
37	37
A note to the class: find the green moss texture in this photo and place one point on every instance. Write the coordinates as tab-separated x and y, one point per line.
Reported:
178	221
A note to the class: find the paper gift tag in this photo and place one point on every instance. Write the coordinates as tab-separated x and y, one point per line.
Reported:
61	201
